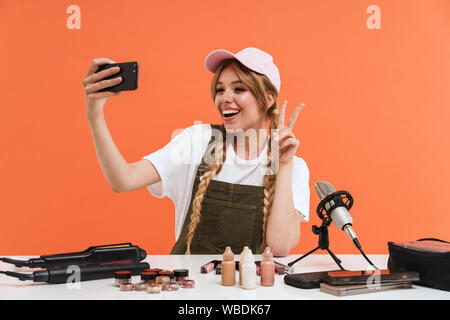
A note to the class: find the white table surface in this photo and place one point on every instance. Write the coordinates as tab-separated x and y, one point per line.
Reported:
207	286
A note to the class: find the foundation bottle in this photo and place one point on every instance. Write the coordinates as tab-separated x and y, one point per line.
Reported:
240	264
228	268
267	268
248	271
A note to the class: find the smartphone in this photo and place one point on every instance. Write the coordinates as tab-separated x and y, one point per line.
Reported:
308	280
342	277
348	290
128	71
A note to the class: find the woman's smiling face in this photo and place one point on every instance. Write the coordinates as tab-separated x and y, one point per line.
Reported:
237	105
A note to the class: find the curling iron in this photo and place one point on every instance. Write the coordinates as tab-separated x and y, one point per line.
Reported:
86	272
124	253
96	262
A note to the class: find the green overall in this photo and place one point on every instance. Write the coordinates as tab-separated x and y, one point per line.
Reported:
231	215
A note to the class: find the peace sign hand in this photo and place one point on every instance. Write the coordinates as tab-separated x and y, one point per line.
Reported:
283	138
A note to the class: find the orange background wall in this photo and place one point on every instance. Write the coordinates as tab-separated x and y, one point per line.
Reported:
376	121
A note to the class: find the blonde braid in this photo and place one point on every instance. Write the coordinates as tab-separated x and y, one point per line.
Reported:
269	179
210	172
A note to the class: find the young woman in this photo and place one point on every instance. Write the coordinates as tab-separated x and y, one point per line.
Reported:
232	184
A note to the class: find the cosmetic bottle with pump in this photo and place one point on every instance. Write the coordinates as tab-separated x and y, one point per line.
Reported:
267	268
240	264
228	268
248	271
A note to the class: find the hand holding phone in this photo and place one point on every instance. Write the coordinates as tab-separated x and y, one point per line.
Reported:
106	79
128	72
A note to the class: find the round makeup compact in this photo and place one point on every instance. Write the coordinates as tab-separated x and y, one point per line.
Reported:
154	288
157	270
167	273
126	287
170	287
162	279
180	275
122	277
188	284
148	277
141	286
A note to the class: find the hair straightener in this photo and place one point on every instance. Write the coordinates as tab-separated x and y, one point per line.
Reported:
96	262
86	272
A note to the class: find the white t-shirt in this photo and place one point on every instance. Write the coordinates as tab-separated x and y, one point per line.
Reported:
177	164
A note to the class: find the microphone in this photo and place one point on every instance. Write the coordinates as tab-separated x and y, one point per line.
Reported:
336	208
336	205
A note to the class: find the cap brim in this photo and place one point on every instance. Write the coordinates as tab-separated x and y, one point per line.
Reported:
213	60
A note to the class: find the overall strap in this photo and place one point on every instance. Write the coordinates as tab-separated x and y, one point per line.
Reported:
181	243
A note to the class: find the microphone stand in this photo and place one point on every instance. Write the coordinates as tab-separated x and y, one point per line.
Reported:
332	199
324	243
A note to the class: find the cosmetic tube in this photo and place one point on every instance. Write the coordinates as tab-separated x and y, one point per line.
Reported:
208	267
267	268
240	264
228	268
248	271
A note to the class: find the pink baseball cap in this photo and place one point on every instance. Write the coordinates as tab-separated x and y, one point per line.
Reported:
253	58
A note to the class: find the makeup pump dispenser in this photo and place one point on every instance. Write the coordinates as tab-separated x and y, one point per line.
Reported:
248	271
267	268
228	268
240	264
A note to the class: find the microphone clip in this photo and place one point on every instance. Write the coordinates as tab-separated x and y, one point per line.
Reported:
336	199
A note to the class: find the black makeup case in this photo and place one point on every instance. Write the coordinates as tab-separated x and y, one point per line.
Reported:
429	257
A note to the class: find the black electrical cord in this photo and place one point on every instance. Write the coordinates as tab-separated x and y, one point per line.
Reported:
17	263
21	276
358	245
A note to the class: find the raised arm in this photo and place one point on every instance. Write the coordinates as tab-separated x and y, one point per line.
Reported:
121	176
